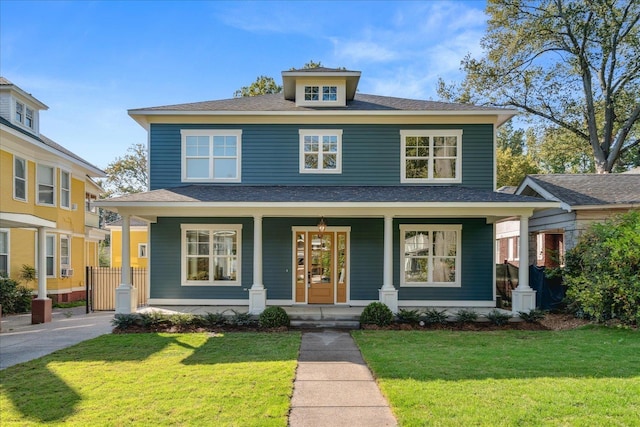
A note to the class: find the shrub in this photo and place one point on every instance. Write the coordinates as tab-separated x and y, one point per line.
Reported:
273	317
153	319
214	319
466	316
183	320
376	313
498	318
433	316
125	321
411	317
602	271
241	319
14	297
533	316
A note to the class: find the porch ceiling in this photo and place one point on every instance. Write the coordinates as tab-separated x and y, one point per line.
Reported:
20	220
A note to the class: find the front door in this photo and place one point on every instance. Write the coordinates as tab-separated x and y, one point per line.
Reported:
321	267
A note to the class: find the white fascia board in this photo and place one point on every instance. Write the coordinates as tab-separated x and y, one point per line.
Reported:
605	206
19	220
95	172
528	182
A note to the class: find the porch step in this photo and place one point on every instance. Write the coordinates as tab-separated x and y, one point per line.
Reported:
325	324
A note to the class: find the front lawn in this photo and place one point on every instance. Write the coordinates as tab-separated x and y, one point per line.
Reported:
156	379
581	377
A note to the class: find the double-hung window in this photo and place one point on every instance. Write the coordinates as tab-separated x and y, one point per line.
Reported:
320	151
211	155
65	189
46	185
430	255
4	253
65	252
211	254
19	179
19	112
28	118
50	246
431	156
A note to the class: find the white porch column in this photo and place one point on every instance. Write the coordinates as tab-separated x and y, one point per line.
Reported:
388	294
41	307
125	293
523	297
257	293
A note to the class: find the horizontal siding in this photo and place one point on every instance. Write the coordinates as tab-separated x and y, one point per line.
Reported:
371	155
366	262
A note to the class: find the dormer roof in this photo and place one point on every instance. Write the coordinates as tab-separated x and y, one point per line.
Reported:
290	77
6	85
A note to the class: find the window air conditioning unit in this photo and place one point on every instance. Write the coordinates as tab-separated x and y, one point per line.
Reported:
66	272
74	206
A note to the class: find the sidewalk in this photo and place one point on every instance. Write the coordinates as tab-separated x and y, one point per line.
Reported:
334	386
20	341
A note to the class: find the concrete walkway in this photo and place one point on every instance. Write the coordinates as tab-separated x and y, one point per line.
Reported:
334	386
20	341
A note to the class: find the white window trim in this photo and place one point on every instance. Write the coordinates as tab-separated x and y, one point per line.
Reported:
320	132
62	189
340	92
68	239
8	253
15	112
183	254
26	179
430	133
140	254
458	257
211	133
54	169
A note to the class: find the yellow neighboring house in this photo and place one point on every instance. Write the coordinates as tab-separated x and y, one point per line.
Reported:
45	190
138	242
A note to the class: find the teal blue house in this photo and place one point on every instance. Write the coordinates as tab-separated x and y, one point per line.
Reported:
323	195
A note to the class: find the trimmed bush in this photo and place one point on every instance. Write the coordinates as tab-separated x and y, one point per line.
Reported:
498	318
14	297
533	316
125	321
214	319
376	313
241	319
602	271
273	317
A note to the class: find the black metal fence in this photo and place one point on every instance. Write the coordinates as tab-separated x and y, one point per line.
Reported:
103	281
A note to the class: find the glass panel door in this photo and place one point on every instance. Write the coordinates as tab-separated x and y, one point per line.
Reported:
321	268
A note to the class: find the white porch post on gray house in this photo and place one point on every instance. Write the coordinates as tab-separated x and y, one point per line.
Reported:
523	297
41	307
125	293
388	293
257	293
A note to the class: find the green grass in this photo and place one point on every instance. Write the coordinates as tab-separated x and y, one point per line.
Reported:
70	304
234	379
583	377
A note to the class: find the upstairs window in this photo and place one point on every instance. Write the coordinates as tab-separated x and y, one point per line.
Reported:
65	252
65	189
19	112
88	202
19	179
46	185
24	115
28	119
320	151
313	93
211	155
431	156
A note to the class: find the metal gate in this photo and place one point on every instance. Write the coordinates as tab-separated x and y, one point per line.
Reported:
103	281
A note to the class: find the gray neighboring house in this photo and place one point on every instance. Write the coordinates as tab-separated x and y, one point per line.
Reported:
584	198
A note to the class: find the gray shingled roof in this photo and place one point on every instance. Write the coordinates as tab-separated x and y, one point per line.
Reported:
52	144
590	189
276	102
324	194
133	222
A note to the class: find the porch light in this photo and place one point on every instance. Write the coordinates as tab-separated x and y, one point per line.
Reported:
322	226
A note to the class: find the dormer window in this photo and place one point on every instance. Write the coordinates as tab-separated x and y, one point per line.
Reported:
329	93
311	93
24	115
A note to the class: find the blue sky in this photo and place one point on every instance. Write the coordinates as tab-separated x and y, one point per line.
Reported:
91	61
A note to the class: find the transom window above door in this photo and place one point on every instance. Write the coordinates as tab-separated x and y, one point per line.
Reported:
320	151
211	155
431	156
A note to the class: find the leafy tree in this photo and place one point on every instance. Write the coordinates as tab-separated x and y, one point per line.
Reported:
574	63
262	86
125	175
602	271
508	137
312	64
559	151
512	168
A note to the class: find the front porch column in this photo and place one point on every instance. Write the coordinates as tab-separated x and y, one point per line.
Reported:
125	293
388	293
523	297
257	293
41	306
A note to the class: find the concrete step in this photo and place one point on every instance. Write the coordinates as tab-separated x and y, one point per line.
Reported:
324	324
